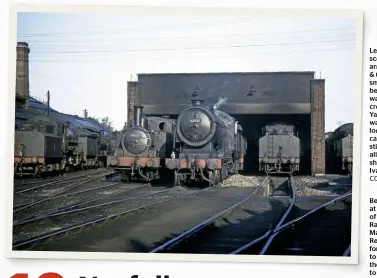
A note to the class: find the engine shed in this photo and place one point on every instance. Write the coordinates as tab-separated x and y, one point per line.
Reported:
255	99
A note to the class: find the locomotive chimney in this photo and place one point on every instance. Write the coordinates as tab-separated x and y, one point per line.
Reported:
196	102
133	98
138	114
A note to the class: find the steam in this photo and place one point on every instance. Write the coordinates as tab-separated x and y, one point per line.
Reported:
221	101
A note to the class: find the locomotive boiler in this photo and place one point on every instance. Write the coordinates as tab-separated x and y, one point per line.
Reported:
142	146
279	149
209	146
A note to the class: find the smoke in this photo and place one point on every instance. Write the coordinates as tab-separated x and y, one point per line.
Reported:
221	101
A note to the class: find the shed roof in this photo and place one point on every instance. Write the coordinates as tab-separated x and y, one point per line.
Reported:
37	107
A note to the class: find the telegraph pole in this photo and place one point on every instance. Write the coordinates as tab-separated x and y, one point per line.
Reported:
48	103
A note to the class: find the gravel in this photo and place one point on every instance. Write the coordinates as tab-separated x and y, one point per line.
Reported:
306	187
241	181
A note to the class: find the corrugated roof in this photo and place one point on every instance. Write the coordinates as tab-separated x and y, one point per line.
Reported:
37	107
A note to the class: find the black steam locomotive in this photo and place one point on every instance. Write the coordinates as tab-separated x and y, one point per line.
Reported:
141	148
209	146
339	150
43	144
279	149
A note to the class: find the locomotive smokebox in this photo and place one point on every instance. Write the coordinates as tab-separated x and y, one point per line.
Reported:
138	114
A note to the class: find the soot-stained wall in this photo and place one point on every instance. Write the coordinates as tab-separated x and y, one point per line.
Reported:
246	93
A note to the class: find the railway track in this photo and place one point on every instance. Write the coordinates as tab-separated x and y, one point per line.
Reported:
310	233
43	194
323	231
45	188
222	232
74	200
26	183
43	230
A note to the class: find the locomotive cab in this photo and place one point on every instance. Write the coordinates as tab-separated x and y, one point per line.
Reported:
38	146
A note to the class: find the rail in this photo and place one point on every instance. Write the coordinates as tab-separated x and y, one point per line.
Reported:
271	234
347	252
65	230
194	230
78	206
27	183
74	184
281	221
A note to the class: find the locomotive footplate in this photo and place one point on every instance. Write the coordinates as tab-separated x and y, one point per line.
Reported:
208	164
131	162
279	168
25	166
29	159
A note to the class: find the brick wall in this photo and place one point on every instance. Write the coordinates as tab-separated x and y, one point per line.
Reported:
317	88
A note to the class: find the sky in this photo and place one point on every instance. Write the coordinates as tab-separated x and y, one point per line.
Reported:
85	60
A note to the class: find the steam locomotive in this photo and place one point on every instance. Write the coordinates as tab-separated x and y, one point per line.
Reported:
279	149
339	150
141	148
208	144
43	145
